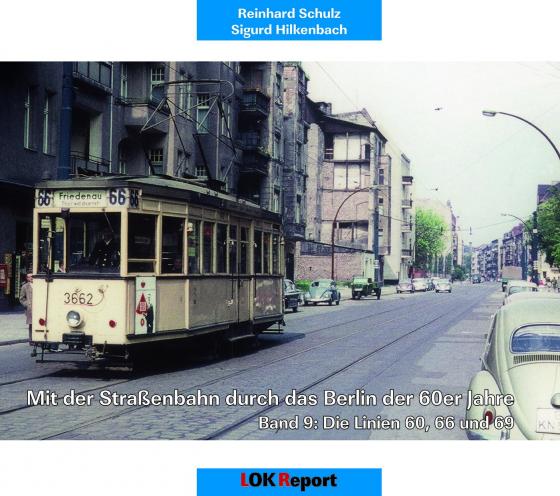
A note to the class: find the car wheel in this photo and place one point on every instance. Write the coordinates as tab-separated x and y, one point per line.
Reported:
314	303
338	302
437	290
378	294
305	303
330	303
295	309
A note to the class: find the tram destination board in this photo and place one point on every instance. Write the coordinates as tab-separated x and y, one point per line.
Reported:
88	198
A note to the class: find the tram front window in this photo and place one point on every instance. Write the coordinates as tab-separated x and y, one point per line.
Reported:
92	242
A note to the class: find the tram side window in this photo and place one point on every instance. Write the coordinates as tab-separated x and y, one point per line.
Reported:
193	246
172	245
141	242
222	248
233	249
275	254
51	243
244	251
207	247
257	254
94	242
266	253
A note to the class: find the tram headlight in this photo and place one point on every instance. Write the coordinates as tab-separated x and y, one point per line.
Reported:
73	318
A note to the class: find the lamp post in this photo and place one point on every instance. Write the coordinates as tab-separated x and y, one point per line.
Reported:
524	257
367	188
534	231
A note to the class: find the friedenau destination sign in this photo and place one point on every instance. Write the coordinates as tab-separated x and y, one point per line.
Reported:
289	20
92	198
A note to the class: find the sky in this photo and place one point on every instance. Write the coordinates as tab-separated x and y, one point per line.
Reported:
484	166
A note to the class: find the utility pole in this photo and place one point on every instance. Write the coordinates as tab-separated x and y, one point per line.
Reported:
535	249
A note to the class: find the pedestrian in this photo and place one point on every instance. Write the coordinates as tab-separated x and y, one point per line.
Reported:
26	299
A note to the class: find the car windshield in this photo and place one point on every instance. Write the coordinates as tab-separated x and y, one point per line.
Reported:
536	338
419	281
289	286
323	283
521	289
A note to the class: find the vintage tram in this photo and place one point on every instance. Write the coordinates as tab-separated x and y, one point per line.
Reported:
125	264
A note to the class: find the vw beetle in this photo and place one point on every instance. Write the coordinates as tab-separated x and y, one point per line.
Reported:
521	360
322	291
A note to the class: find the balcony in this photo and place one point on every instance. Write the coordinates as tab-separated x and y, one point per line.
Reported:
407	180
138	111
255	103
406	253
255	162
294	231
95	74
407	204
406	227
88	164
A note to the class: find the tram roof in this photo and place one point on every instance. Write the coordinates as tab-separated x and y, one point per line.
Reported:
169	188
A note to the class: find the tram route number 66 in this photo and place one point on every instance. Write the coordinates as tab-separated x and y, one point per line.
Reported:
45	198
117	196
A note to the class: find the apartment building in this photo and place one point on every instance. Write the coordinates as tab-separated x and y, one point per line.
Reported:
220	123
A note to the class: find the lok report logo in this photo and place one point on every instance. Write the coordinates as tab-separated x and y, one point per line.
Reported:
287	482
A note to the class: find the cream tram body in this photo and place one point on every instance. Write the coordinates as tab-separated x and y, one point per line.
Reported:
186	261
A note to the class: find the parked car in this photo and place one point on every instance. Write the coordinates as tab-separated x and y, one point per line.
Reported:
522	359
322	291
442	285
405	287
531	295
420	284
476	279
364	286
291	296
519	286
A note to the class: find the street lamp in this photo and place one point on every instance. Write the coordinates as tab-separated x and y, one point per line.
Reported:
367	188
493	113
534	247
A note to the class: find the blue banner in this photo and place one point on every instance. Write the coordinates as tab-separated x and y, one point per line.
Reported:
289	20
289	482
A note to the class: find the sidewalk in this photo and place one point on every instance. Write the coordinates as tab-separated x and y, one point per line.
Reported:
12	328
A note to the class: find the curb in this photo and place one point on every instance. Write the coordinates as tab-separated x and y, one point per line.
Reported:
13	341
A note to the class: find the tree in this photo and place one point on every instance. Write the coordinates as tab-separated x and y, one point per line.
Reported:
459	273
548	223
430	236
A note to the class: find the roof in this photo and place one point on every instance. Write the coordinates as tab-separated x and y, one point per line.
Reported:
525	311
169	188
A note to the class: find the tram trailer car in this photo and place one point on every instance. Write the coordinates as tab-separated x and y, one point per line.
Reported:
122	264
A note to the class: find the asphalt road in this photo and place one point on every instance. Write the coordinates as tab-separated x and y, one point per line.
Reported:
360	351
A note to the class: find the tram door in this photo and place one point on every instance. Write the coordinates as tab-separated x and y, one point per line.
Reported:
242	277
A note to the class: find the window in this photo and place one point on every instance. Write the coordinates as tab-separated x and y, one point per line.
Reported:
124	81
257	252
381	175
232	243
275	254
183	92
202	110
141	242
28	119
200	171
266	252
298	210
92	243
156	159
278	86
221	248
208	247
172	245
51	243
157	77
276	200
122	159
48	123
367	151
536	338
244	251
193	246
226	119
